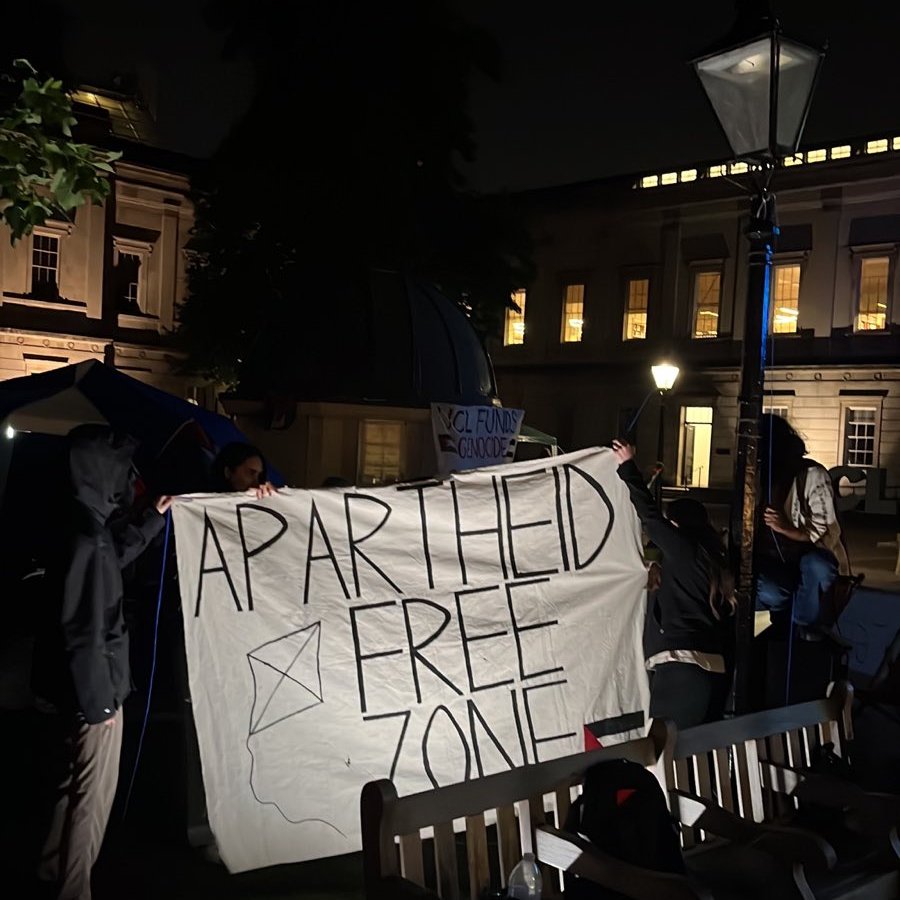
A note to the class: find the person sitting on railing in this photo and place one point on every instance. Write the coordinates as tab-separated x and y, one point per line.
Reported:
800	551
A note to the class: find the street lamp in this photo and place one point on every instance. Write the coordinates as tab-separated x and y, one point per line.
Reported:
664	375
760	85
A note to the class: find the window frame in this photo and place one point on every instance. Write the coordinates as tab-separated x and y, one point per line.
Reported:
51	229
860	402
706	267
563	324
777	402
788	259
143	251
511	312
627	279
859	255
361	450
682	408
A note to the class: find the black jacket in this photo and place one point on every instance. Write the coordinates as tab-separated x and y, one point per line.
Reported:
81	660
684	618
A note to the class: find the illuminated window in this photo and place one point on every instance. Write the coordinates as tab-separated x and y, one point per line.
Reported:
895	143
573	313
44	266
689	175
638	291
796	160
669	178
650	181
514	330
716	171
873	293
860	436
780	411
841	152
707	299
785	299
739	168
815	156
877	146
380	451
695	446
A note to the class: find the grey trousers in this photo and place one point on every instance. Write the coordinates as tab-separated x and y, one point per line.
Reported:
83	800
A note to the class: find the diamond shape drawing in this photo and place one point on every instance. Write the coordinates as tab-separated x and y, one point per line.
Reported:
286	677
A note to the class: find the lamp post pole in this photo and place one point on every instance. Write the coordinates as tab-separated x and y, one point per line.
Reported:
661	446
761	232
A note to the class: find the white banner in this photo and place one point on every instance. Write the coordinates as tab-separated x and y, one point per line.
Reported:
427	633
470	437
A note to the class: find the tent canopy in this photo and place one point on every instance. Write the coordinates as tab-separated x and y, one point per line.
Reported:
177	440
90	392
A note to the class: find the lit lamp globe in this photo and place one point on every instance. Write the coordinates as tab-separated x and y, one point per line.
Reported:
664	375
760	88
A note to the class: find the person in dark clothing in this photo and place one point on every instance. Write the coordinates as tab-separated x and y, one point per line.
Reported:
240	467
81	670
691	651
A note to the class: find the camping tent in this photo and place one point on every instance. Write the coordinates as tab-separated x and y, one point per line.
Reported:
177	441
55	402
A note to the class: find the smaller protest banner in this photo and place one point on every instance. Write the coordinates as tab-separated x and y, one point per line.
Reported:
469	437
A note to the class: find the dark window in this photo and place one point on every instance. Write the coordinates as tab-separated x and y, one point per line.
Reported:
45	267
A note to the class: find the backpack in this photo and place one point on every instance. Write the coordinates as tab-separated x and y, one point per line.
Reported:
622	811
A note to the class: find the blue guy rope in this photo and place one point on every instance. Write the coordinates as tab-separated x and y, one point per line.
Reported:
159	599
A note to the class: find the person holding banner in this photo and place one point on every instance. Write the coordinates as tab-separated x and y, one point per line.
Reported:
239	468
690	662
81	661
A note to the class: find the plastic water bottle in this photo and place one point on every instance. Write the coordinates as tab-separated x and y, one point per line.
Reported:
525	881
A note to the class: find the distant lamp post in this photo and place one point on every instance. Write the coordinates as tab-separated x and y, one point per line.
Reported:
760	85
664	375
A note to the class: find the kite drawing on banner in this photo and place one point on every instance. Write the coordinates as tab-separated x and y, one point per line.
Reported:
429	633
286	677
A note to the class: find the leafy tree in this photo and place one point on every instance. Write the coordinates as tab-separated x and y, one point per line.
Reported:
44	172
347	161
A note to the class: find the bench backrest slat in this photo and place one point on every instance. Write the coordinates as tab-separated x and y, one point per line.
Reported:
477	855
445	861
510	844
411	864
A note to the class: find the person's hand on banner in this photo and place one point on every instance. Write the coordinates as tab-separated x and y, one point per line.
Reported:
624	452
163	504
266	489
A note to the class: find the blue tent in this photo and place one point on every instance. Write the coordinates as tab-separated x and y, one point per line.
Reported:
55	402
177	439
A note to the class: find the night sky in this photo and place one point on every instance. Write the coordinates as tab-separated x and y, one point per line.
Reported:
589	88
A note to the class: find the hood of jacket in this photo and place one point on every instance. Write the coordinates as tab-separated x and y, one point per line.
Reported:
101	469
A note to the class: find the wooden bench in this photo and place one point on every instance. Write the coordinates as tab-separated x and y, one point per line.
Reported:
757	768
734	786
498	818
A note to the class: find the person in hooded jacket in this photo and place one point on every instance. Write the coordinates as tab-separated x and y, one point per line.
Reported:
689	641
81	669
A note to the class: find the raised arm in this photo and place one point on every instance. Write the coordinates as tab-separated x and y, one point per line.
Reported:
662	532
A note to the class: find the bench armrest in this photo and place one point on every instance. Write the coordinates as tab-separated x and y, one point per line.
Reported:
580	857
866	812
792	845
